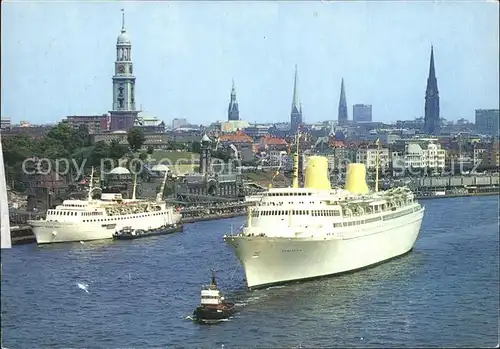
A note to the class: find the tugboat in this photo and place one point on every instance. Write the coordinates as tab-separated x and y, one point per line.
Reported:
213	307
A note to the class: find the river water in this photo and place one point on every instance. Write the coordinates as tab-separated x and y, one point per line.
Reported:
443	294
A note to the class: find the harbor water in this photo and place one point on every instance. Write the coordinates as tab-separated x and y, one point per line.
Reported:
140	293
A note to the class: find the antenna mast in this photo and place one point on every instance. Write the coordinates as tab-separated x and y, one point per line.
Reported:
159	196
135	187
377	164
91	185
295	175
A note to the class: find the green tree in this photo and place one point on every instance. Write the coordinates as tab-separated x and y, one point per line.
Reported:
52	148
117	150
135	138
151	149
100	151
196	147
17	148
61	136
171	145
220	154
81	156
132	164
82	136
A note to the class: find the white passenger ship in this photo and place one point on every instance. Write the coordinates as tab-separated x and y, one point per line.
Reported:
300	233
82	220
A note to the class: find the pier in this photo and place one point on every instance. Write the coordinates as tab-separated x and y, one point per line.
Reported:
21	234
216	211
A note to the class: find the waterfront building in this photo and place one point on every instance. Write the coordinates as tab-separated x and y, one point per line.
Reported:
154	139
149	123
34	132
94	123
275	150
239	143
491	156
257	130
479	149
426	154
368	155
233	126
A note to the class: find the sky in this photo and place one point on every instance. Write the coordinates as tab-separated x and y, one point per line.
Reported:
57	58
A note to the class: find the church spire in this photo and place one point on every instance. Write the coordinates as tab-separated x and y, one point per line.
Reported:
342	110
295	98
123	113
233	113
431	118
431	79
432	70
296	115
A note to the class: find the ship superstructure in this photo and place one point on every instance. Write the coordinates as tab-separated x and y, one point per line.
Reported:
300	233
95	219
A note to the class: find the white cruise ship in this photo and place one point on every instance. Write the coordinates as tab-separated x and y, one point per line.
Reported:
83	220
301	233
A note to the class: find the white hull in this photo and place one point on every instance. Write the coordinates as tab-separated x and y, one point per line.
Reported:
273	260
47	232
65	232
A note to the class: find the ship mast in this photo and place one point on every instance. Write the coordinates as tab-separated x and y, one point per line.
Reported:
213	283
295	175
135	186
91	184
377	163
249	217
159	196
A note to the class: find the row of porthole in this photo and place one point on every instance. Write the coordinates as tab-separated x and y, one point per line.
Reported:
119	218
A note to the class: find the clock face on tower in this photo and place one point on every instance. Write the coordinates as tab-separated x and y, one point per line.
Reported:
121	69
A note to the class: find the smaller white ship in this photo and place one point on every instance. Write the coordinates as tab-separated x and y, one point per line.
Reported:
84	220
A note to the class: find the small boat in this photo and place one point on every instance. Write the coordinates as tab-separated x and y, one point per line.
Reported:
127	233
213	306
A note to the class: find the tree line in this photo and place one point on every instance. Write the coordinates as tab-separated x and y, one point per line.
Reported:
66	142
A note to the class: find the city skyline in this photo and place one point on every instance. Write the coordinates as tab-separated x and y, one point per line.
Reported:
185	65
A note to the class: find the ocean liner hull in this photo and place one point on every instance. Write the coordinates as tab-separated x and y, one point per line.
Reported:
54	232
57	232
268	261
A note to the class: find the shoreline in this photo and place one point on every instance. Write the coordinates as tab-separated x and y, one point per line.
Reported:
449	196
212	217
